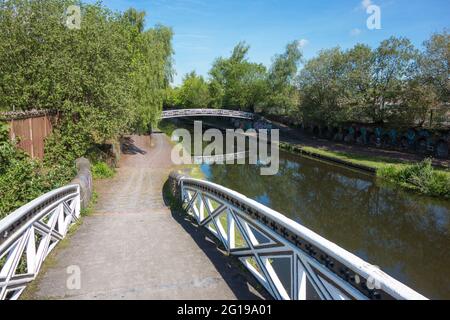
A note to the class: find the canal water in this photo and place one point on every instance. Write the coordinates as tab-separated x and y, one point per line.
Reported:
407	235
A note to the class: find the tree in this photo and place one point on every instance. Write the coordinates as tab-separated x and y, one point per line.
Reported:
106	79
172	98
135	18
357	82
283	95
194	92
435	64
216	93
152	73
395	63
235	82
322	89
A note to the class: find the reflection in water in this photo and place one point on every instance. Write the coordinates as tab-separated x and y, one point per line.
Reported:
405	234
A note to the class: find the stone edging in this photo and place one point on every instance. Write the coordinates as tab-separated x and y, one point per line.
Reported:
84	180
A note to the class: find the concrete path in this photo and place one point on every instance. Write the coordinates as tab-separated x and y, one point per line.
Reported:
134	247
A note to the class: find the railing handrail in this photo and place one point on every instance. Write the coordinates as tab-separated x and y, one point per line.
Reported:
390	285
19	214
200	112
30	233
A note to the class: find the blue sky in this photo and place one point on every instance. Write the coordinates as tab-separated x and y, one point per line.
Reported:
206	29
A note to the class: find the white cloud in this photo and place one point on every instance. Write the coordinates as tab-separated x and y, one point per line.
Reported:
302	43
355	32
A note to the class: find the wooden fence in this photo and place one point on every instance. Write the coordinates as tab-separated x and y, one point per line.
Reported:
30	129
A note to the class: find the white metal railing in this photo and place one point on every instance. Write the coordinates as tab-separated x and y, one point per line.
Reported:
289	260
30	233
168	114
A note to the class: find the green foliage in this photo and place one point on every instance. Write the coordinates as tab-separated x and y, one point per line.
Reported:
105	79
23	179
172	98
101	170
135	18
321	87
435	64
194	92
151	76
393	83
283	97
420	176
236	83
364	85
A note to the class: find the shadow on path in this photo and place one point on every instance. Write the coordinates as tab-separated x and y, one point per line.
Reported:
129	147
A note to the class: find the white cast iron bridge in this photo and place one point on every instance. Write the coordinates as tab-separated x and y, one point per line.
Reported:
289	260
183	113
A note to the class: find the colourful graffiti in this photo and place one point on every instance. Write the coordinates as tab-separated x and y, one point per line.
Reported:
423	141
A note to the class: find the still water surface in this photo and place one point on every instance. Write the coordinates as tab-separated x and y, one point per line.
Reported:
405	234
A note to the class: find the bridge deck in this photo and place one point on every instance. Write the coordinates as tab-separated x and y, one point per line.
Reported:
134	247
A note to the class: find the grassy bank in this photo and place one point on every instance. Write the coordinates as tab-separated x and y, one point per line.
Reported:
420	177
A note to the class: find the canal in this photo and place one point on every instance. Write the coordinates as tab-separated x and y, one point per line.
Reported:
405	234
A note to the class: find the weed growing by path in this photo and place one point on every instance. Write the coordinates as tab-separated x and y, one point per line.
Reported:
101	170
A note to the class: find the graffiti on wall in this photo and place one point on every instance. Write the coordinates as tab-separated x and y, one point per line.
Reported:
422	141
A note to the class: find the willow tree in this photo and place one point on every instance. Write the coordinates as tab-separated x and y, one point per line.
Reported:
105	78
152	73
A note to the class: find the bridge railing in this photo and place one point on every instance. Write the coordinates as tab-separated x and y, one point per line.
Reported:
206	112
289	260
221	158
30	233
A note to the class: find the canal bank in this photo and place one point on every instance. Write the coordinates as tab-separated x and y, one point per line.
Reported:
419	177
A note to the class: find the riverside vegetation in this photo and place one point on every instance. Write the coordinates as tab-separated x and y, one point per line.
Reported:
393	85
420	177
106	79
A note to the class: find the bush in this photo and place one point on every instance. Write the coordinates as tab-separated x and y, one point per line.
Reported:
101	170
23	179
421	177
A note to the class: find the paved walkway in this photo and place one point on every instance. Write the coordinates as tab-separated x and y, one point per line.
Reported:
134	247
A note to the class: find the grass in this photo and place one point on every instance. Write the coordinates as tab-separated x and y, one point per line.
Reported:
420	177
102	170
90	209
374	162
